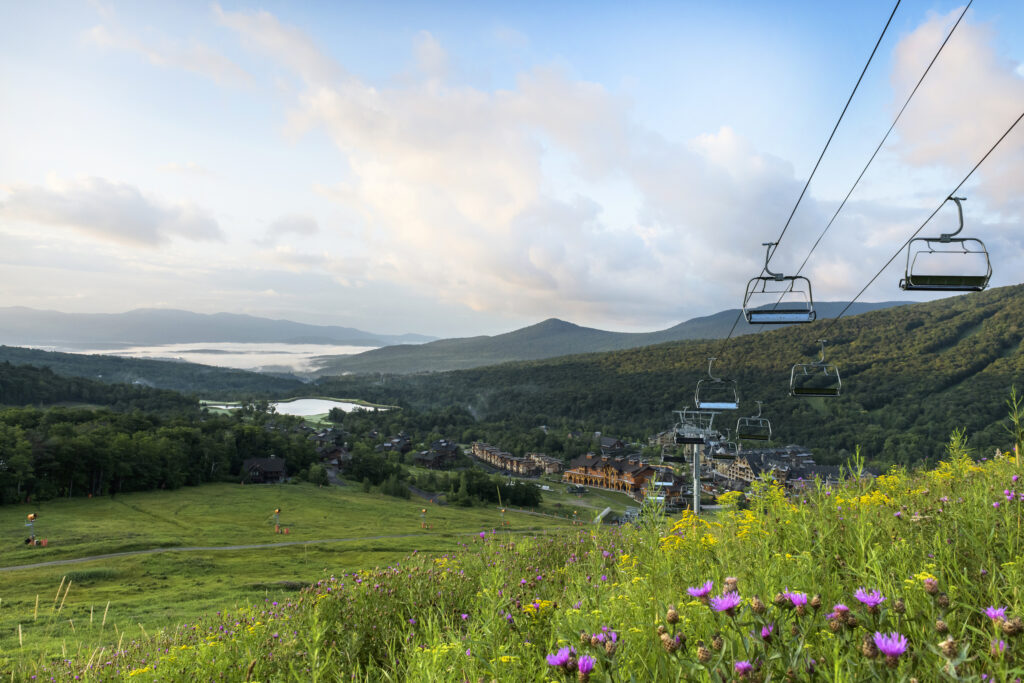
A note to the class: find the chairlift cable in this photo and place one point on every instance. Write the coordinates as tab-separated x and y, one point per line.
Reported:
926	221
821	156
884	138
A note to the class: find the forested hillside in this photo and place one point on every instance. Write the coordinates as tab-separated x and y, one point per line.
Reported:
911	375
549	339
189	378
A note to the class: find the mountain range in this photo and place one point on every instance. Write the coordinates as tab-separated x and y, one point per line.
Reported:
21	326
549	339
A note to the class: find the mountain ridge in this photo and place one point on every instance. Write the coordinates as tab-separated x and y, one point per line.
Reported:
550	338
22	326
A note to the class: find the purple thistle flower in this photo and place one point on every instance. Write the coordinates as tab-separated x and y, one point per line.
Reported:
483	534
585	664
560	658
796	599
766	631
891	645
995	504
726	603
997	647
872	599
996	613
465	616
604	577
701	591
742	667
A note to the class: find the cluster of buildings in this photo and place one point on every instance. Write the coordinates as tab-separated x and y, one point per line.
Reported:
529	465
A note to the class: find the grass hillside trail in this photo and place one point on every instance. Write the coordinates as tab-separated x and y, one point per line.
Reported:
910	575
159	558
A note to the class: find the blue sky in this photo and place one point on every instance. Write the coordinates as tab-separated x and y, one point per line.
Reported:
467	168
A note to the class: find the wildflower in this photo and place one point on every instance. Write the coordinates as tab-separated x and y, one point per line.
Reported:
726	603
941	626
742	668
898	606
483	535
731	583
840	612
701	592
996	613
872	600
816	602
766	632
703	654
797	600
585	665
672	616
997	648
464	616
717	643
942	601
412	621
995	504
1013	626
671	644
892	646
931	586
560	658
948	648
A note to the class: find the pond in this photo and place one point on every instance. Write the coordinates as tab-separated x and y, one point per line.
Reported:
304	407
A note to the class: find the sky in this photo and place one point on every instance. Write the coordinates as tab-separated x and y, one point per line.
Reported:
462	168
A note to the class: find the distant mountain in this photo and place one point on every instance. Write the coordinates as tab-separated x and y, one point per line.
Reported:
550	339
21	326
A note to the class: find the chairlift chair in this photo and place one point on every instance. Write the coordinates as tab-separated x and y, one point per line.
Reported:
815	380
777	299
754	428
713	393
947	263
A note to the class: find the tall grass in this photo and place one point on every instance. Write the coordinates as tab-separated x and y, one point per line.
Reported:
907	576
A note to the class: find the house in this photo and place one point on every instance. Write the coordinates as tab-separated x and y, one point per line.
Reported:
502	460
545	463
619	473
612	446
337	456
270	470
442	455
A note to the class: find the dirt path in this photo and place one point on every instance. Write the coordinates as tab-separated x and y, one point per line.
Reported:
215	548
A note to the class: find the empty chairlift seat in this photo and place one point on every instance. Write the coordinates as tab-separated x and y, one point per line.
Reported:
947	263
777	299
713	393
815	380
754	428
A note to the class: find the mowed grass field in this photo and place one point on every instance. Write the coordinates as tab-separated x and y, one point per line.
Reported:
149	591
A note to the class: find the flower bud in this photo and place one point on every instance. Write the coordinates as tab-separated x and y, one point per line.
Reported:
717	643
941	626
834	625
757	605
1013	626
948	648
610	647
780	600
672	616
898	606
730	584
661	631
868	647
703	654
594	641
942	601
816	602
931	586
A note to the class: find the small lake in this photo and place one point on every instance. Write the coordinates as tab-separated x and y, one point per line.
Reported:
304	407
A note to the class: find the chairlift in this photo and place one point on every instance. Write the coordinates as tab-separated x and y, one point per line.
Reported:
815	380
777	299
754	428
713	393
947	263
724	449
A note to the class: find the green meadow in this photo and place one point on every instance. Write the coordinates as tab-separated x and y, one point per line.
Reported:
331	529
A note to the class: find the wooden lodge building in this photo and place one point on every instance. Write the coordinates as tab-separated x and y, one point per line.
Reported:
532	464
626	473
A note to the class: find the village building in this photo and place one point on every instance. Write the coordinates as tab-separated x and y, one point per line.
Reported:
270	470
442	455
618	473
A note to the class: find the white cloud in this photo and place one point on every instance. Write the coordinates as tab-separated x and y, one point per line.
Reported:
197	57
111	211
292	224
969	98
513	200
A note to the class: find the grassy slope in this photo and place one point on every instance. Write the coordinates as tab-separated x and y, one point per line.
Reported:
163	589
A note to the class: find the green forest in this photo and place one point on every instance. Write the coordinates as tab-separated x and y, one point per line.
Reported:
911	375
